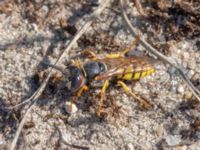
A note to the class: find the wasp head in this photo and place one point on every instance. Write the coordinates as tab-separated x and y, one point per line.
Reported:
76	78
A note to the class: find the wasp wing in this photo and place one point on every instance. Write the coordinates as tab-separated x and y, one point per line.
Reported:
119	66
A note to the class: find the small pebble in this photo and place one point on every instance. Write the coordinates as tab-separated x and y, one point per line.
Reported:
45	9
188	95
192	64
190	74
194	146
180	89
186	55
181	147
159	131
71	107
38	1
173	140
130	146
196	76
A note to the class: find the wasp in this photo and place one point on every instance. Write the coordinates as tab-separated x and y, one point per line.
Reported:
116	68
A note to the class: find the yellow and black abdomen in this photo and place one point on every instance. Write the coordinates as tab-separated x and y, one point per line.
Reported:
135	71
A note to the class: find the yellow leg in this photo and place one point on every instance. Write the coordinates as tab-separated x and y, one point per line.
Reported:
79	93
88	53
77	62
71	106
81	90
143	102
130	47
103	91
114	55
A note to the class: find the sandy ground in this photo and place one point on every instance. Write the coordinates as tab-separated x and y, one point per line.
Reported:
173	122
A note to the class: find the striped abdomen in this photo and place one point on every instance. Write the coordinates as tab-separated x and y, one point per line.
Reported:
135	72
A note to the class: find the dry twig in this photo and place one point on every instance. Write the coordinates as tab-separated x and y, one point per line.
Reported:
139	8
69	45
134	31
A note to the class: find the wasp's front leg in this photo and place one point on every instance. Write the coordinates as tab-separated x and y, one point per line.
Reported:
79	93
71	105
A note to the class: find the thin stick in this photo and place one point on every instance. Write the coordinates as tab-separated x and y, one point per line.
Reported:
139	8
37	94
160	56
21	125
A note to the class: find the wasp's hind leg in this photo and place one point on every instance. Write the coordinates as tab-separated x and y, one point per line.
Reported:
142	102
103	91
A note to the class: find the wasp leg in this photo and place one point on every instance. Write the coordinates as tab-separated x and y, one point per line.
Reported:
88	53
103	91
81	90
130	47
79	93
71	106
143	102
77	62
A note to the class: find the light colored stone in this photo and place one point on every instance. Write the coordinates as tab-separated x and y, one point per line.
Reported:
190	74
130	146
181	147
188	95
71	107
180	89
173	140
186	55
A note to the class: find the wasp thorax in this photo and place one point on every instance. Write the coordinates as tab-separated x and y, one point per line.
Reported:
76	78
92	69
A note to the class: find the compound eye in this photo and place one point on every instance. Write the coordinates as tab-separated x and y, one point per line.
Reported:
76	78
